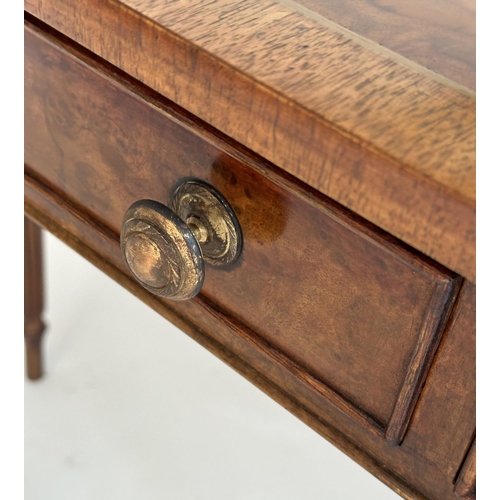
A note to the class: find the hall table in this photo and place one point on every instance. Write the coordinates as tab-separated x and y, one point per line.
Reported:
293	186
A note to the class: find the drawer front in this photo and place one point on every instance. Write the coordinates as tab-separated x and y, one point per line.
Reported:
353	313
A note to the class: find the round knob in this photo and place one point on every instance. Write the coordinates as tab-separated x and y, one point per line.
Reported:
166	249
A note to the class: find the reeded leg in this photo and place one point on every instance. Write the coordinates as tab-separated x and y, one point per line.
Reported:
33	298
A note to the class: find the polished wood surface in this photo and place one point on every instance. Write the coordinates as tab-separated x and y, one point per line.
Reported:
438	34
33	298
86	162
330	294
444	442
390	142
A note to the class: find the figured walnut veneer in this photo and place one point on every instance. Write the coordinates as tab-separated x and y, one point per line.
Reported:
340	321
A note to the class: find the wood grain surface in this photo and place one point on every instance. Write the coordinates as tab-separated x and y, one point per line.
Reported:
444	442
465	486
438	34
417	469
86	159
83	234
385	140
332	296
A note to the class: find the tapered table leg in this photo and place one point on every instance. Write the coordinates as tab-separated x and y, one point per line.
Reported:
33	298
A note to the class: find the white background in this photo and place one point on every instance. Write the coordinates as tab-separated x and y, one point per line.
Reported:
132	408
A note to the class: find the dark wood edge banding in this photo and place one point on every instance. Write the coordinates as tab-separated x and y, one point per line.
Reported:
426	213
34	189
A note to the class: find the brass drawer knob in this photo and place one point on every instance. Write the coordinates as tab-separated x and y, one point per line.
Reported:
166	248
